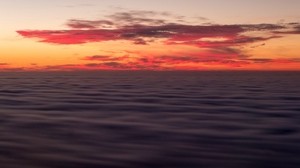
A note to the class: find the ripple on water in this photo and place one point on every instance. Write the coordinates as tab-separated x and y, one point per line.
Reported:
150	119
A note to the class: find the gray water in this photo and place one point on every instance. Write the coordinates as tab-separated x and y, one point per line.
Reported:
150	120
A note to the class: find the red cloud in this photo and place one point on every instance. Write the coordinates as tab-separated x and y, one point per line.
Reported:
71	36
105	58
221	58
213	56
139	26
174	34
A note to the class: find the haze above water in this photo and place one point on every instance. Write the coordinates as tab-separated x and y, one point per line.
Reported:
150	120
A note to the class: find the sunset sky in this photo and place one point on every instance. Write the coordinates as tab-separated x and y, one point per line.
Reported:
149	35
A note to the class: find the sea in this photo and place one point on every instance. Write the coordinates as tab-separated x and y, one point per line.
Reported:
142	119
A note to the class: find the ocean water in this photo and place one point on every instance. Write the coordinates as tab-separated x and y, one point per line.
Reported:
150	120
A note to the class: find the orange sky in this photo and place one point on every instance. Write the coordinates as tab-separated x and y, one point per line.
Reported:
144	35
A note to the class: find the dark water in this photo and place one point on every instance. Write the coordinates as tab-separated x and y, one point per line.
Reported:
150	120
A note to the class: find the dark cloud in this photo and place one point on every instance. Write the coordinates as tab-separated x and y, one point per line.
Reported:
138	18
225	50
294	31
98	58
4	64
140	41
259	60
113	64
88	24
237	40
259	45
263	27
294	28
121	19
105	58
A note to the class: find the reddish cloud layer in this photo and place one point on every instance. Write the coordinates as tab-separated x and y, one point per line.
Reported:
172	33
72	36
227	57
144	27
139	26
169	63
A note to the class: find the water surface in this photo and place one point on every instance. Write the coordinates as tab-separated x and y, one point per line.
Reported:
150	120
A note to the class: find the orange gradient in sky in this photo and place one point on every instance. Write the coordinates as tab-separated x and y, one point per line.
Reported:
122	39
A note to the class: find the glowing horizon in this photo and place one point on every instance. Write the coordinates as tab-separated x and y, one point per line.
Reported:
144	35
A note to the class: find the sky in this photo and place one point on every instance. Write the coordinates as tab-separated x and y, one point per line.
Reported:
68	35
